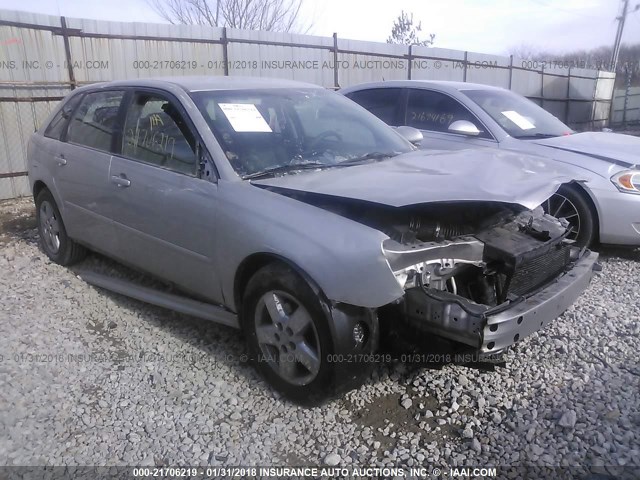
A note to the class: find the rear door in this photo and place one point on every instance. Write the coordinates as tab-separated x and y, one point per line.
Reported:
82	169
432	112
165	214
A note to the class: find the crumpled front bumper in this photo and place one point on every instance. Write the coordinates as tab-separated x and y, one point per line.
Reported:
530	315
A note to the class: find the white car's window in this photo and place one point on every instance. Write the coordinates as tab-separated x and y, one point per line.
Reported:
155	132
518	116
384	103
94	122
278	128
435	111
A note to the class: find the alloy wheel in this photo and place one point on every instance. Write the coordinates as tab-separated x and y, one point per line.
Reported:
287	337
560	206
50	227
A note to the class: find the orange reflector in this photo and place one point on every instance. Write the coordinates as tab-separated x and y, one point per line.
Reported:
625	181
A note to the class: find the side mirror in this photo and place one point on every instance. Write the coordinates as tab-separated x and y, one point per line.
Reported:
411	134
464	127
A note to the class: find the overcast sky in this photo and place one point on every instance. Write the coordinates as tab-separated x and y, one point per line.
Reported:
488	26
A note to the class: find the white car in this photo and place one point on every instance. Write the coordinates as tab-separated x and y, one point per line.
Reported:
457	115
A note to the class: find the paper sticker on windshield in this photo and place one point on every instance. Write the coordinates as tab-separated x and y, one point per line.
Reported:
244	117
519	120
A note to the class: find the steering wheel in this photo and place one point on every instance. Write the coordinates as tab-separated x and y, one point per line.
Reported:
322	137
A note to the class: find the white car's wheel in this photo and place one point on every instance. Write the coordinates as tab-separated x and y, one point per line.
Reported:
571	205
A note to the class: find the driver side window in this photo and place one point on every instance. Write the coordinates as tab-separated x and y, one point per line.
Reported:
435	111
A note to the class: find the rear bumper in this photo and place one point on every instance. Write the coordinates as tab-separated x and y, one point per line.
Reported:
522	319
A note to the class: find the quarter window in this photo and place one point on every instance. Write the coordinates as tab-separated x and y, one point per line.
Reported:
95	121
384	103
155	132
435	111
56	127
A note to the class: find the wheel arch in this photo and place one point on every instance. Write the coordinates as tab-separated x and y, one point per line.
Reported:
254	262
39	186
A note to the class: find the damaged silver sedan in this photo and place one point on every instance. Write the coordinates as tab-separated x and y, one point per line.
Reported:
292	213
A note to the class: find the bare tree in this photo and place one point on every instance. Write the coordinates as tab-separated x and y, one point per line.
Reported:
270	15
404	32
525	51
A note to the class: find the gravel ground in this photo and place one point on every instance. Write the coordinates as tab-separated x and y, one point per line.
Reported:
92	378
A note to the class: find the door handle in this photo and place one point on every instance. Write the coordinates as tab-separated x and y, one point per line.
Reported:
120	181
61	161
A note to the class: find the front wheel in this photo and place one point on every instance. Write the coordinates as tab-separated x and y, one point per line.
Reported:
288	335
571	205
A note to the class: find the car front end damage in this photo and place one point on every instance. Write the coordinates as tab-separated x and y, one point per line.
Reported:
487	282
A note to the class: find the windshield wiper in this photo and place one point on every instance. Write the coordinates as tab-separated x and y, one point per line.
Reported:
377	156
536	135
291	167
367	157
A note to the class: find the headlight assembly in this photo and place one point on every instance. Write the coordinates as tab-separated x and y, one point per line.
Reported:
627	181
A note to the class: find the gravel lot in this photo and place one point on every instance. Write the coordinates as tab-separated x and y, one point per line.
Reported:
91	378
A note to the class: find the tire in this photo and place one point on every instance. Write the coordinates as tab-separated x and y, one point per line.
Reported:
568	202
276	304
54	240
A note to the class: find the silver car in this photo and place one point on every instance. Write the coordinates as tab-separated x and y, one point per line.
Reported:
290	212
456	115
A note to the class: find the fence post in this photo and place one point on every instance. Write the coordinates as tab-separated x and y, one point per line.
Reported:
335	60
67	52
542	87
464	73
225	51
627	89
568	101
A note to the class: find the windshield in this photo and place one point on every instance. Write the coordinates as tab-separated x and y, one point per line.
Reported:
284	130
518	116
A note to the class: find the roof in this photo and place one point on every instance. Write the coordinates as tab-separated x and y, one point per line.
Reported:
442	85
204	83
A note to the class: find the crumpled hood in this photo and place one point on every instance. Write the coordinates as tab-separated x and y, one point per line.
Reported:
623	150
489	175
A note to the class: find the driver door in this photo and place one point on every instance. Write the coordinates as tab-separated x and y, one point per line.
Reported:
432	112
165	216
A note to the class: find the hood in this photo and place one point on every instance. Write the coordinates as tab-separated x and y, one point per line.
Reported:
488	175
622	150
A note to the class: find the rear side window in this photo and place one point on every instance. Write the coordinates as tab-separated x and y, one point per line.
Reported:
384	103
156	132
58	125
435	111
94	122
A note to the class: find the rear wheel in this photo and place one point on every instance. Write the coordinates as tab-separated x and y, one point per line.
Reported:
288	335
53	236
570	204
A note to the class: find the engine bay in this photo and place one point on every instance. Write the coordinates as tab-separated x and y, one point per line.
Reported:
460	262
